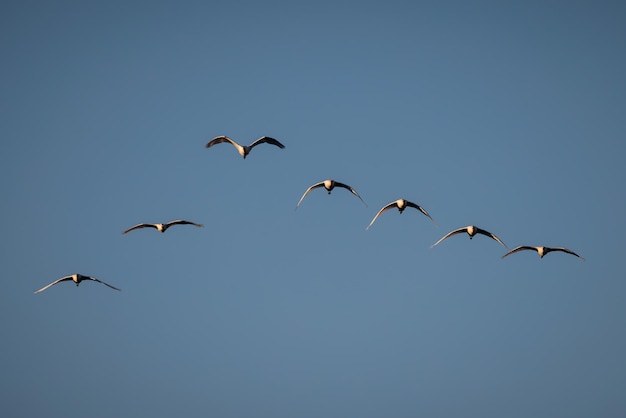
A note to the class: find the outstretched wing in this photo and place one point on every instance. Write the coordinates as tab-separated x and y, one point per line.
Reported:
449	234
139	226
315	186
100	281
62	279
219	140
383	210
565	250
183	222
421	209
345	186
268	140
490	235
520	248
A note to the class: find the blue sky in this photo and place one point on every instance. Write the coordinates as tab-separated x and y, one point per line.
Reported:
506	116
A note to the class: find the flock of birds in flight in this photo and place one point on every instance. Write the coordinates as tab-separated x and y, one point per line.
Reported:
329	185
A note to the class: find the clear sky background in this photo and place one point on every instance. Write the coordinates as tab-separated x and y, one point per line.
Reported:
506	115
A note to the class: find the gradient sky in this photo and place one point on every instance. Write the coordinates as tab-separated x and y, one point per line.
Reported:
509	116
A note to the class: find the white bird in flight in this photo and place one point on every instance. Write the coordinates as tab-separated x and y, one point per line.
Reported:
244	150
162	227
401	204
541	250
471	230
76	278
329	185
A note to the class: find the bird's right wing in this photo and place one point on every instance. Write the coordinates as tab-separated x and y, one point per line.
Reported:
62	279
315	186
380	212
139	226
449	234
520	248
219	140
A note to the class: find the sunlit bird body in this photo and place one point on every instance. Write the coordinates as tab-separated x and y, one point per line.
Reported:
329	185
76	278
244	150
162	227
401	204
471	230
541	250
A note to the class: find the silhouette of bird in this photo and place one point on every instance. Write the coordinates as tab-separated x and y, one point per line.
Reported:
401	204
471	230
329	185
76	278
541	250
244	150
161	227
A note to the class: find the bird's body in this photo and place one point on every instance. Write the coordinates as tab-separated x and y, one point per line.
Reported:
76	278
401	204
541	250
162	227
471	230
244	150
329	185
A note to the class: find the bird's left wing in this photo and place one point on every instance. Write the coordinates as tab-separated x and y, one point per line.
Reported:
354	192
183	222
565	250
100	281
490	235
268	140
421	209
